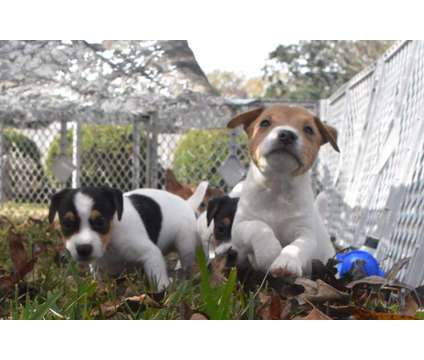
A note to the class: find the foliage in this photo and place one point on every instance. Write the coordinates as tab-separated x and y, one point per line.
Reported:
17	143
314	69
231	84
199	153
217	301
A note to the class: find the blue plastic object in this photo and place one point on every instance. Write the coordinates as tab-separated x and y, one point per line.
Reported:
349	258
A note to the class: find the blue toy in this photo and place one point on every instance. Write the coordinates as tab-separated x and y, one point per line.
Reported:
348	260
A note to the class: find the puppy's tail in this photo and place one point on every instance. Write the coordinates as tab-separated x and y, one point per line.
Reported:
196	199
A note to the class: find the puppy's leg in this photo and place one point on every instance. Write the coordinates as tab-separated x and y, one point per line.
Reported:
295	258
155	267
186	242
255	240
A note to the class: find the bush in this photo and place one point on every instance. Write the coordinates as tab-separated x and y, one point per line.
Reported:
24	174
106	155
200	153
17	144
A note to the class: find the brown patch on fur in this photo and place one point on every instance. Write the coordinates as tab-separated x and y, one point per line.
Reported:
295	117
69	216
226	221
95	214
105	238
185	191
174	186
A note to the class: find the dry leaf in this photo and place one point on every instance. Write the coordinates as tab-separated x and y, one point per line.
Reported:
198	316
363	314
369	280
411	306
315	314
392	273
275	308
17	251
324	293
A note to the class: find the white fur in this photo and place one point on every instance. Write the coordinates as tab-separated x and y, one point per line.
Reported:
83	204
277	225
130	244
199	194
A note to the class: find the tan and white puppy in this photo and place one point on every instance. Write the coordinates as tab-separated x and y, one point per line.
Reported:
277	226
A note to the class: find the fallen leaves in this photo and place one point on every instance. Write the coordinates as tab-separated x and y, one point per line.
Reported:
22	265
364	314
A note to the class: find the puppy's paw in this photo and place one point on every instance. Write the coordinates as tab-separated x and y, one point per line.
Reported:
286	265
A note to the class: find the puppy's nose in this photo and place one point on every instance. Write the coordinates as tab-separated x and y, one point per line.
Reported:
84	250
287	137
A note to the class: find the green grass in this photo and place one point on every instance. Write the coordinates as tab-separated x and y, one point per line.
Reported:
57	288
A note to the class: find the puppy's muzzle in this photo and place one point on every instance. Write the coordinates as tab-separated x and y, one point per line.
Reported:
84	251
287	137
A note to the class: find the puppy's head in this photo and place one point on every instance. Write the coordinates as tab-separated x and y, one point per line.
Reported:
85	216
284	138
222	210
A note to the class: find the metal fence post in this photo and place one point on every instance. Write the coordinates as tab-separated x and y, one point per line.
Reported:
2	165
151	151
136	153
76	154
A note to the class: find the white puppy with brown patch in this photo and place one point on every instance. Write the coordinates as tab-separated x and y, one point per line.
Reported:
277	227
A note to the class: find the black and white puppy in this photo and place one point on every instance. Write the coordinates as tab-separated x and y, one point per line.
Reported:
114	231
221	210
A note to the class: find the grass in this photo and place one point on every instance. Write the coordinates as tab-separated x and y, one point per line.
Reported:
39	280
57	288
19	212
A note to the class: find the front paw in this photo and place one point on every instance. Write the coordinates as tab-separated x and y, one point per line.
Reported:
286	265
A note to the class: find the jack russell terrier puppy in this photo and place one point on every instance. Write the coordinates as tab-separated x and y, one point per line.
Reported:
114	231
277	227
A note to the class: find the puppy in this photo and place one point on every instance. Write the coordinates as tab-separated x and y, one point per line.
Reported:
277	226
186	191
222	211
114	231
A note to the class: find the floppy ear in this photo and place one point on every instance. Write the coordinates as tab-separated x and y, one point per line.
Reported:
117	199
213	207
171	182
328	134
245	118
55	201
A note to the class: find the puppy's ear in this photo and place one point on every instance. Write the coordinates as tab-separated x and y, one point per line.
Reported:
245	118
171	182
328	134
55	201
117	199
213	206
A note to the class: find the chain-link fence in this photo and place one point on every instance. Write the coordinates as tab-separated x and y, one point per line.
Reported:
39	158
377	182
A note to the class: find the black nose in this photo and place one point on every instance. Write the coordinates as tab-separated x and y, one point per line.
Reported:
287	137
84	250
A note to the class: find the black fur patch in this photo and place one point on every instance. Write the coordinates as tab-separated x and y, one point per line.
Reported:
150	213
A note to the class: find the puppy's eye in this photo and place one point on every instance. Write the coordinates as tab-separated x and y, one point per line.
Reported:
68	224
202	206
308	129
265	123
99	222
